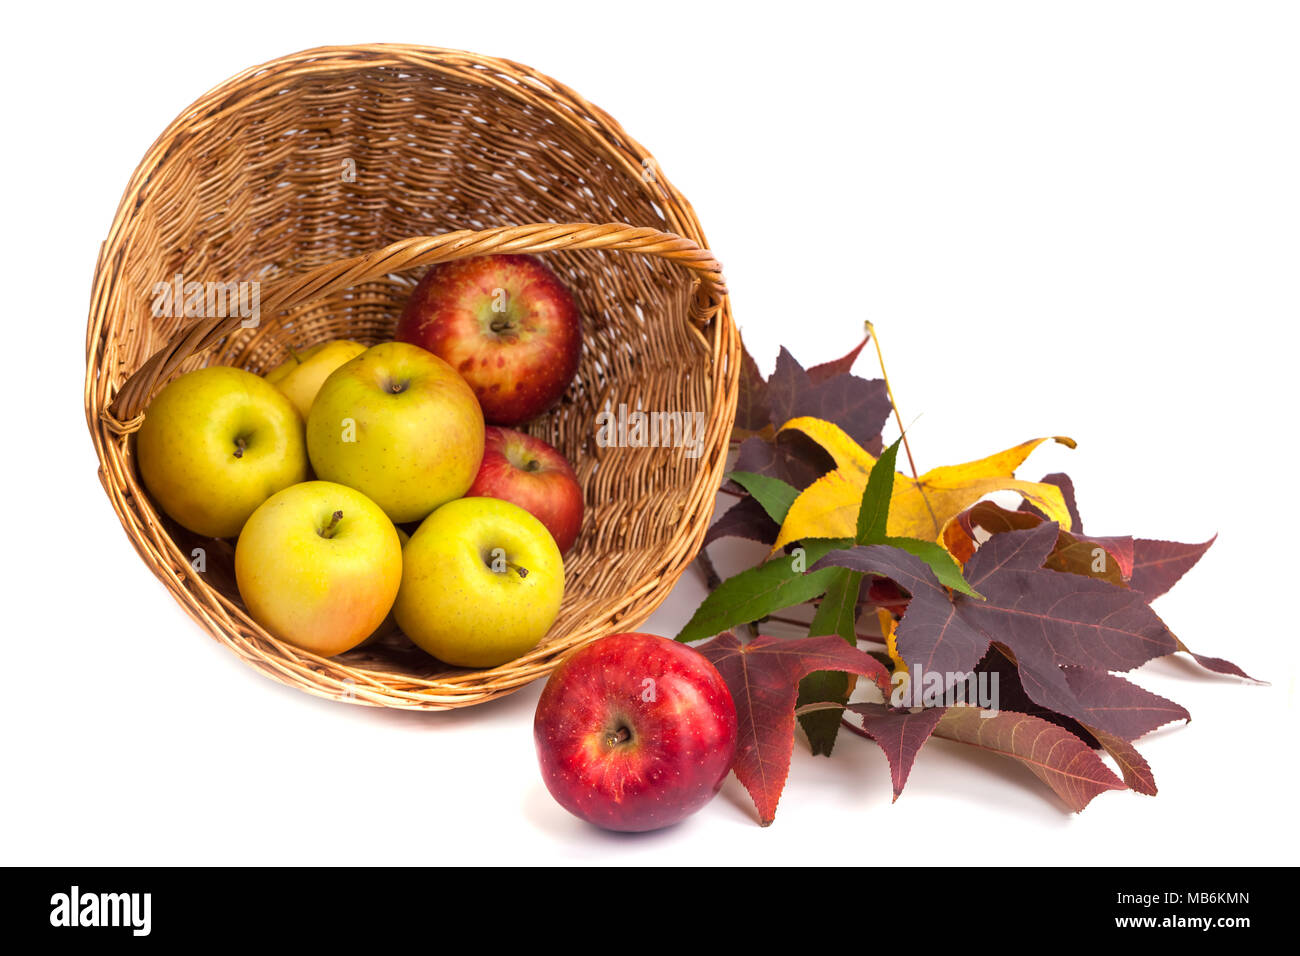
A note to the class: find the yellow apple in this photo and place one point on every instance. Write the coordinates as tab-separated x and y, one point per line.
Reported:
400	425
318	565
389	623
215	444
300	375
482	581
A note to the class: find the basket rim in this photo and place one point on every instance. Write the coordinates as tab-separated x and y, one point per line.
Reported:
677	210
222	618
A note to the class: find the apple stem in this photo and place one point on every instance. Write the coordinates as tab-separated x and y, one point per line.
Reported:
522	572
618	737
328	530
240	445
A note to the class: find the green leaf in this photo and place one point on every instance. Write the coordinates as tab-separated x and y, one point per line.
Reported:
873	515
756	593
945	567
873	519
837	614
838	611
773	494
823	726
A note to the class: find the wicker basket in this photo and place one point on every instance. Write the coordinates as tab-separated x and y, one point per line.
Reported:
329	177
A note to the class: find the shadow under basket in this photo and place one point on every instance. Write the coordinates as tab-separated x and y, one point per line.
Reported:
330	179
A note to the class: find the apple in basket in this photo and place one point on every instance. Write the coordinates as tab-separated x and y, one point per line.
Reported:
635	732
482	582
527	471
301	375
399	425
215	444
318	565
506	323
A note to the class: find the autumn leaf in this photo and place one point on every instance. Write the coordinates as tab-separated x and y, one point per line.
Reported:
889	628
1147	566
874	516
792	457
828	508
860	406
1109	559
1048	621
840	366
963	588
1132	765
998	671
941	563
884	595
1118	706
1217	664
763	677
1152	567
1157	565
772	493
754	594
899	733
1058	758
753	413
745	519
1066	484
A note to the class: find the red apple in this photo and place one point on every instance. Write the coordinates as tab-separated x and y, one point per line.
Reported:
506	323
635	732
530	473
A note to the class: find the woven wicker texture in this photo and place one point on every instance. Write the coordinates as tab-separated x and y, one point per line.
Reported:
330	178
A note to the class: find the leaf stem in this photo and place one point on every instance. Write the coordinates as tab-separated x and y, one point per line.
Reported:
907	446
868	638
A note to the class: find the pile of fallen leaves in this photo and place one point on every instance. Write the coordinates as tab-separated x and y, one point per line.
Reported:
946	591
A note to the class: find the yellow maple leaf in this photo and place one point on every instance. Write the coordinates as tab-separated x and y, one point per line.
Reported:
919	508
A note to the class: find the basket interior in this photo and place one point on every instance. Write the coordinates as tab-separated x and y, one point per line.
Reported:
316	165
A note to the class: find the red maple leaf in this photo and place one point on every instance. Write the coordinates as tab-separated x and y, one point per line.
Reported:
1054	755
763	677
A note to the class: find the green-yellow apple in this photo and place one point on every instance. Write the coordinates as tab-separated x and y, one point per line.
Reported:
482	581
301	375
318	565
399	424
215	444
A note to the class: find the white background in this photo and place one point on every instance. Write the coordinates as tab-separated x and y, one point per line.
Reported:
1075	219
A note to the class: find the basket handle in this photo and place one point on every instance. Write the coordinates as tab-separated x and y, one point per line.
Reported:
125	414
